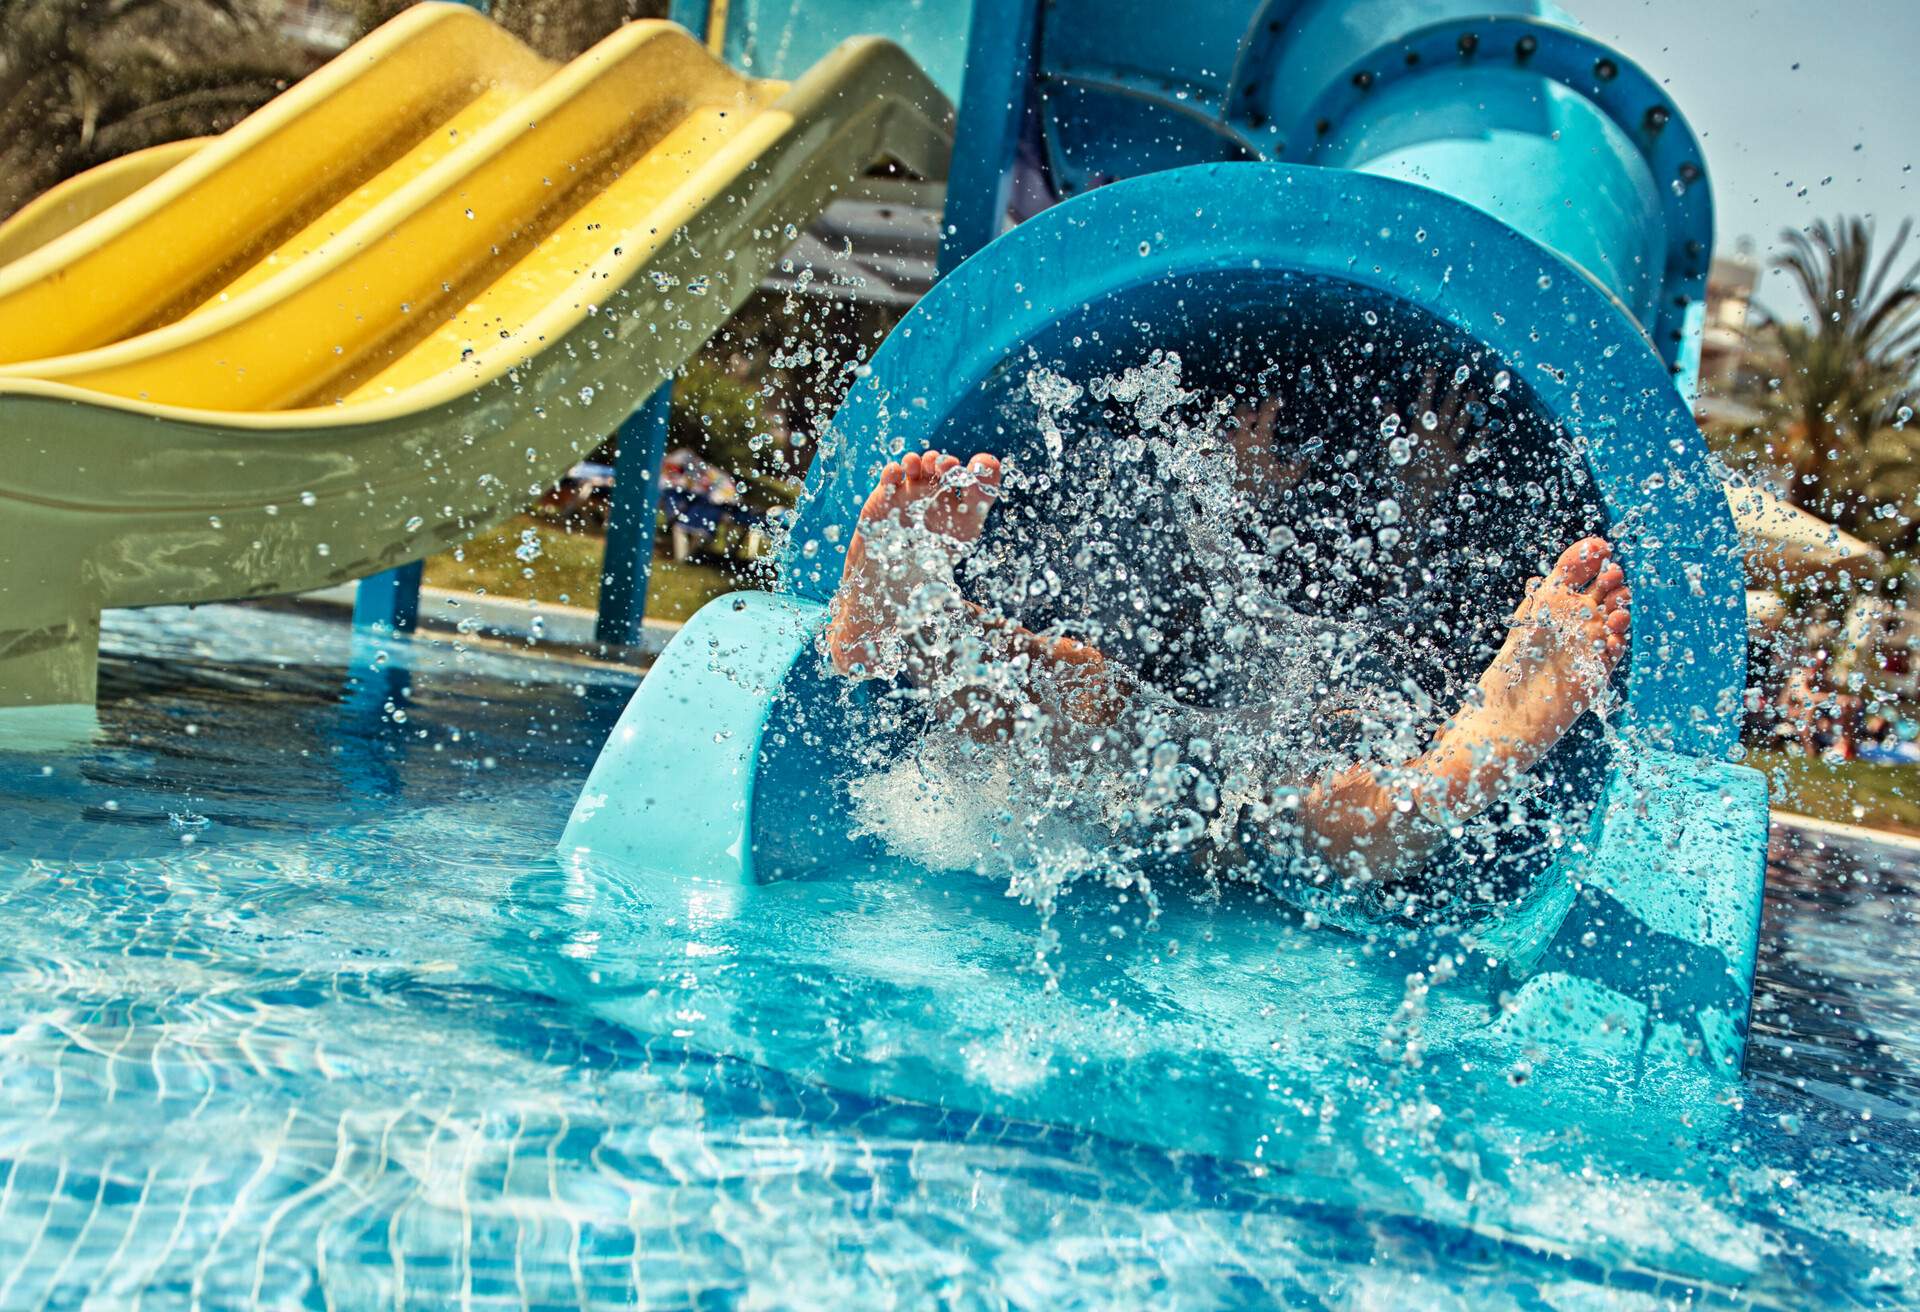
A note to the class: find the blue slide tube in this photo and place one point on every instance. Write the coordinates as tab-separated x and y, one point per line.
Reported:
1664	887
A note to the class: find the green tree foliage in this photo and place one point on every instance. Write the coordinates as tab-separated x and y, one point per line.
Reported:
756	395
1839	409
84	81
717	411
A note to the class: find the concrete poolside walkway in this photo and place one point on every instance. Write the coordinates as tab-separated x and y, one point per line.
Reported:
1833	829
559	631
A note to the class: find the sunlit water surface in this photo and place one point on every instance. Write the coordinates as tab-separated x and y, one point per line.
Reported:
280	1027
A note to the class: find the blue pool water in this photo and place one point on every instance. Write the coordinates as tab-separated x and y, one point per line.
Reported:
301	1010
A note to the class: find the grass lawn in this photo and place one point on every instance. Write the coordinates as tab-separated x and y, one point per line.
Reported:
1851	792
567	570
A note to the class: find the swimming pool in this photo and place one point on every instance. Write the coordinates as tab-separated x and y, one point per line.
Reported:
293	1018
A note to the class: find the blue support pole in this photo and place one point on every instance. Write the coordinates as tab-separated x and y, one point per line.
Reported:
993	102
692	15
389	602
628	562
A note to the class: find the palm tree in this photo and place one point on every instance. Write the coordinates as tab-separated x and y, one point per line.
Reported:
1848	381
82	81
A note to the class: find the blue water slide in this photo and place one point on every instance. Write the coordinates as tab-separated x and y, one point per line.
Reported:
1507	106
1494	190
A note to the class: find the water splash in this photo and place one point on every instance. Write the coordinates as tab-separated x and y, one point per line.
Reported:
1249	583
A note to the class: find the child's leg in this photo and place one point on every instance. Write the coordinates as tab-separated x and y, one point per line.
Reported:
920	517
1568	634
897	584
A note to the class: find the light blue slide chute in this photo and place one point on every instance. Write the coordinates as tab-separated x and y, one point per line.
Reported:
1426	158
683	788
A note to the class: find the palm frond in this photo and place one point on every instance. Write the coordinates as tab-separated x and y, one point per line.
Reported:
83	80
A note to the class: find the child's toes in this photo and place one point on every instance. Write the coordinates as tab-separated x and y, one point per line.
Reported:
943	466
1527	598
880	500
977	489
985	472
1582	562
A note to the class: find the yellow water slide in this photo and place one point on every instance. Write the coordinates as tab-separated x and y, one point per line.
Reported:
387	308
60	209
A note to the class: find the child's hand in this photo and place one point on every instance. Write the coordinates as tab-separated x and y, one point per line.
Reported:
1250	441
1444	410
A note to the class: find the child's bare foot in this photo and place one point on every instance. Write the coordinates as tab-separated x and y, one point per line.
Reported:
1567	636
923	502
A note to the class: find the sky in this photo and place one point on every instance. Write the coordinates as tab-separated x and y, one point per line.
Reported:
1805	108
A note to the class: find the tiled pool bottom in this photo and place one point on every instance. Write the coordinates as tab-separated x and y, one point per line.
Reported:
277	1029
